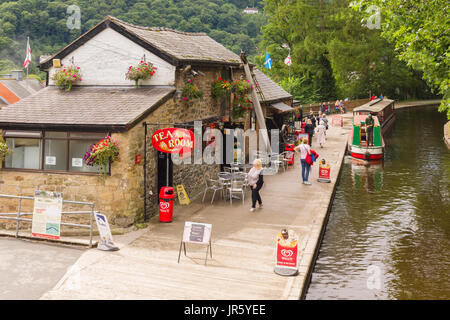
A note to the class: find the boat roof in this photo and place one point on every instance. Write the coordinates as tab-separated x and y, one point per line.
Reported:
376	105
357	119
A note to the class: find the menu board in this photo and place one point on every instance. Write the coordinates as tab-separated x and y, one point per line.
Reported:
47	215
197	232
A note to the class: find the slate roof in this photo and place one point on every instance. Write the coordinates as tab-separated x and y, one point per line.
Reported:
98	107
272	92
174	46
24	88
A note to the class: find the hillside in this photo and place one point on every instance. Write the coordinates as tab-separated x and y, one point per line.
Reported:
46	23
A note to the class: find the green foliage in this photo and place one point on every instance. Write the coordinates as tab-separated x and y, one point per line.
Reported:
333	54
4	149
220	88
241	104
191	91
419	31
45	22
66	77
143	71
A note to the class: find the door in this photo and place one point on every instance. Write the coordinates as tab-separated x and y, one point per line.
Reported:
165	170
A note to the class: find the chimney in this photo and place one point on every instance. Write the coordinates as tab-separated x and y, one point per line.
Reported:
17	74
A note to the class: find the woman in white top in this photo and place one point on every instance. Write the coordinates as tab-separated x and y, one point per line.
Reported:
304	150
321	130
255	181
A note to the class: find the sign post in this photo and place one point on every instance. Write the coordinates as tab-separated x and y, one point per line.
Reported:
47	215
286	263
195	232
106	240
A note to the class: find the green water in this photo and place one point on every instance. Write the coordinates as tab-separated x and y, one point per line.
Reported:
388	236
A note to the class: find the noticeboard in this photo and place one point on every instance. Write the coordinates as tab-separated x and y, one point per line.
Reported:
197	232
47	215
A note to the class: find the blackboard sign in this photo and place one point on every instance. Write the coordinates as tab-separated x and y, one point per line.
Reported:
197	232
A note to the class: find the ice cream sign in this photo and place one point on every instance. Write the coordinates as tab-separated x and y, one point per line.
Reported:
173	140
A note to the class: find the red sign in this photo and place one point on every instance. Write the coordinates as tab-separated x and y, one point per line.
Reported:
324	171
137	159
337	121
173	140
287	251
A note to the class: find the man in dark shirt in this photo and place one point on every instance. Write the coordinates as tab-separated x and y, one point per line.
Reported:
369	129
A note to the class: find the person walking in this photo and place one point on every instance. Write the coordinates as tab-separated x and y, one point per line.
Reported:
325	121
255	182
321	129
309	129
304	150
312	118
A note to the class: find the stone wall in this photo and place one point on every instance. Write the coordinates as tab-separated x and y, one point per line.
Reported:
191	176
118	196
121	195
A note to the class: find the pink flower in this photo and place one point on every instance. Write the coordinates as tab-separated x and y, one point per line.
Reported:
185	98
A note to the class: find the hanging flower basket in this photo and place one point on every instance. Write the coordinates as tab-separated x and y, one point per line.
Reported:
220	88
4	149
241	87
66	77
143	71
190	92
104	152
241	104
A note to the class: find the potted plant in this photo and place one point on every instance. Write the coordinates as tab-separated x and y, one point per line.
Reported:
4	149
240	106
220	88
102	153
191	91
143	71
241	87
67	76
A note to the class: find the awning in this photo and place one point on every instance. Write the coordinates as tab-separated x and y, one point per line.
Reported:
280	106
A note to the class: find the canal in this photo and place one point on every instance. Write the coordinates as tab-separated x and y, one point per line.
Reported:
388	234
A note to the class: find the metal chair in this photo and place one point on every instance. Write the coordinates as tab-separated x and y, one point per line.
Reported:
212	185
242	176
237	186
276	159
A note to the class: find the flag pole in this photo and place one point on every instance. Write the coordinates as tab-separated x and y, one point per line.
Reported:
28	65
290	71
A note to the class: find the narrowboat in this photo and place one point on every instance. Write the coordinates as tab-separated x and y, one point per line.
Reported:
382	111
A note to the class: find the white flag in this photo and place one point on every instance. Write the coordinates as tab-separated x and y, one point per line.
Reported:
28	57
288	60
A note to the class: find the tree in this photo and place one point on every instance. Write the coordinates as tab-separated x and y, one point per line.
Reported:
419	30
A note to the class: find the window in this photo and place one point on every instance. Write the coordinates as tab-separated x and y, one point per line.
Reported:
26	153
50	150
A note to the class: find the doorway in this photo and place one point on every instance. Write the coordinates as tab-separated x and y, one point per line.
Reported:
165	170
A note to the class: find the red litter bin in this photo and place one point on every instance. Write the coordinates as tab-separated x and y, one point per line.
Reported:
289	154
166	196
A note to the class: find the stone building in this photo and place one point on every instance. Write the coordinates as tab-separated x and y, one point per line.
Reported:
50	131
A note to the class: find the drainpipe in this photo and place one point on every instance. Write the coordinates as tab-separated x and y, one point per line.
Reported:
145	170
